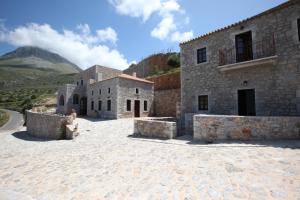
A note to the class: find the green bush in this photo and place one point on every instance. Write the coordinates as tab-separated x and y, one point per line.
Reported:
174	60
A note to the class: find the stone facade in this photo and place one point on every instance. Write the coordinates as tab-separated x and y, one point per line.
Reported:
165	102
97	86
46	125
166	94
213	127
156	127
275	77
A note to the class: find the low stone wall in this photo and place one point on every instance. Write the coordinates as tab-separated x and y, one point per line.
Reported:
212	127
46	125
156	127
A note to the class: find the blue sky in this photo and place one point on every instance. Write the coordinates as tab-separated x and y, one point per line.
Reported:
116	32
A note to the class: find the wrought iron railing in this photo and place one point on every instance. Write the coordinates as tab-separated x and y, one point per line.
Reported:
258	49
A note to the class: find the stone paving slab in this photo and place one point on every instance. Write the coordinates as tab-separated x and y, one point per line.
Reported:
105	162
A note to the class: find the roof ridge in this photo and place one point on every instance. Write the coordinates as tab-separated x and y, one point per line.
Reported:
280	6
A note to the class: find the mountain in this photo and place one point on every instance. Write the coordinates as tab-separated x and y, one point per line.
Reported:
35	57
29	75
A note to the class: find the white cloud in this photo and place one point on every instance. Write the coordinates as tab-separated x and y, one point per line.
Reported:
167	10
136	8
163	29
107	34
82	48
180	37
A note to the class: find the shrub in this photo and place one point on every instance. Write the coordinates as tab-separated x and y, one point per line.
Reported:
174	60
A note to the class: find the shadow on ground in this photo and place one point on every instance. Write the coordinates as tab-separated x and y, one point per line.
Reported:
188	140
23	135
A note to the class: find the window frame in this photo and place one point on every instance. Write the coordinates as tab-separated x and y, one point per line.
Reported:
204	106
99	105
128	105
108	105
199	52
92	105
75	100
298	26
145	105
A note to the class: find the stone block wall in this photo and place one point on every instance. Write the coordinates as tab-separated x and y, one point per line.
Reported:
166	94
155	127
211	127
165	102
166	81
48	126
276	85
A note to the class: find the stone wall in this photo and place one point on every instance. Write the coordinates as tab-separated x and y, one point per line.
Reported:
127	91
155	127
166	81
166	94
211	127
93	94
165	102
276	85
48	126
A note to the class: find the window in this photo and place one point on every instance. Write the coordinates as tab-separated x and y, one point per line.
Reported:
81	82
92	105
108	90
145	105
75	99
298	23
128	105
92	92
203	102
201	55
77	83
108	105
99	105
136	90
243	47
100	91
62	100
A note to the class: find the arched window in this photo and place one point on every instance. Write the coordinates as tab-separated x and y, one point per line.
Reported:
75	99
61	100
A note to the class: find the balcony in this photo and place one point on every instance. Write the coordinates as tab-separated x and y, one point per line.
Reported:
248	54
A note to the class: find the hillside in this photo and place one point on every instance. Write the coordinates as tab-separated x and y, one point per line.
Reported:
29	75
38	58
156	64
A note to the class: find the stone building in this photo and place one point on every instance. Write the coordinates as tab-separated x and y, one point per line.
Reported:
249	68
107	93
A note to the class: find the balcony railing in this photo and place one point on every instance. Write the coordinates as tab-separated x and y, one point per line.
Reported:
259	49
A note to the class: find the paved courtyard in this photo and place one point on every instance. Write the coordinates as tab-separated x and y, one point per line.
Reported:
104	162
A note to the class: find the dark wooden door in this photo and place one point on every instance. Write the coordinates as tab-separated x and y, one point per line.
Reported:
246	102
243	45
136	108
83	106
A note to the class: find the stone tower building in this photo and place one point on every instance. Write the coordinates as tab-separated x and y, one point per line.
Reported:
251	67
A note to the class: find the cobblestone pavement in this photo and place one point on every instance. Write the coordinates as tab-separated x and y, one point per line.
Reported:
104	163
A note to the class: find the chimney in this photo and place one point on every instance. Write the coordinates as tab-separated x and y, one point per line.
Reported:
134	74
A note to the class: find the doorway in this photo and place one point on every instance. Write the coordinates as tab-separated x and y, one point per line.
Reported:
246	101
83	106
243	45
137	108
